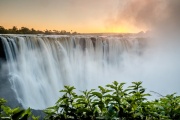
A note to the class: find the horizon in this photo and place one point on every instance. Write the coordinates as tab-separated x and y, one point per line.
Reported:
9	29
98	32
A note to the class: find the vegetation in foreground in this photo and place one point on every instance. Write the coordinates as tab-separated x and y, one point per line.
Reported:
112	102
25	30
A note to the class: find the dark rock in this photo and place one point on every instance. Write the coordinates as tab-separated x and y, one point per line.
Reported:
82	43
2	52
93	39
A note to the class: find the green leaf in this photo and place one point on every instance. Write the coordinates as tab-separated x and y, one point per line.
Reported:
63	91
99	95
7	110
137	114
2	101
16	110
35	118
115	83
146	95
142	90
27	112
102	89
111	86
115	98
18	115
25	117
108	95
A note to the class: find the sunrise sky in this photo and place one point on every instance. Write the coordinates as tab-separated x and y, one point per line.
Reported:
84	16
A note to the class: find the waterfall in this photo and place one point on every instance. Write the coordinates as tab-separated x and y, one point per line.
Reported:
39	66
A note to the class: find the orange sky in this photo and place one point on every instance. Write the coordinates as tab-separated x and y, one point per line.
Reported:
84	16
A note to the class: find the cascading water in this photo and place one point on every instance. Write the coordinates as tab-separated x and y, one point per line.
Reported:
40	66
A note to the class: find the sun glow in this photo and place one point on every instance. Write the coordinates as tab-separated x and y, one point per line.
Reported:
124	29
59	15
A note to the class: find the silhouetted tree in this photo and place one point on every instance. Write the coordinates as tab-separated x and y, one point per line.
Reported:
15	29
25	30
3	30
33	31
74	33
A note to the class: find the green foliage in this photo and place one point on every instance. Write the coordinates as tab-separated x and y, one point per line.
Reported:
111	102
6	113
114	102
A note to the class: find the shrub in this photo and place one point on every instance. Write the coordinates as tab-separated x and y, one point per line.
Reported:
114	102
6	113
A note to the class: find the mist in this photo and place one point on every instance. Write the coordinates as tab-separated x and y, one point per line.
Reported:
160	63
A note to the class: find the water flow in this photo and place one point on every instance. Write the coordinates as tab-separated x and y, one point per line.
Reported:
40	66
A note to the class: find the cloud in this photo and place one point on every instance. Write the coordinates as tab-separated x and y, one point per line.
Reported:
151	14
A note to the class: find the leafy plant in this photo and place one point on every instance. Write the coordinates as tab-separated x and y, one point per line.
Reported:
111	102
6	113
114	102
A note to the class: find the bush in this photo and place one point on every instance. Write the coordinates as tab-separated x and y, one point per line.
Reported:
6	113
111	102
114	102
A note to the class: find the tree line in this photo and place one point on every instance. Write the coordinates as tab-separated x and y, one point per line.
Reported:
25	30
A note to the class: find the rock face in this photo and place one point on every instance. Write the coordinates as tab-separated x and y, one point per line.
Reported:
2	53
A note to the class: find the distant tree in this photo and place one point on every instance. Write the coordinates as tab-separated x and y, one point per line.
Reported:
3	30
56	32
63	32
25	30
39	32
15	28
33	31
48	32
74	33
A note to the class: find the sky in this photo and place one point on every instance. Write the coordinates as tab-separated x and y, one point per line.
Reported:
84	16
91	16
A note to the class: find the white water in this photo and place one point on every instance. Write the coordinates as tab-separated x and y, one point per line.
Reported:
40	66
